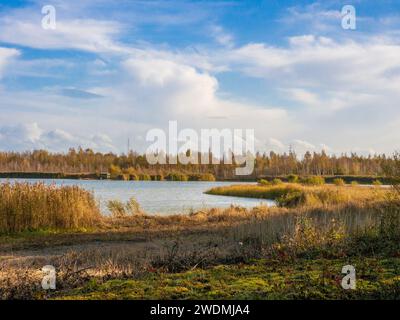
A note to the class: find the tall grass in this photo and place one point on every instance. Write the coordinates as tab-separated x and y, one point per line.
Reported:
119	209
308	226
25	206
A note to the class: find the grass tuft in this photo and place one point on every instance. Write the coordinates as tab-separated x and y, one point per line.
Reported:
32	207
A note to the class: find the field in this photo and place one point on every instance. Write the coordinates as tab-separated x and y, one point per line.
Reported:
294	251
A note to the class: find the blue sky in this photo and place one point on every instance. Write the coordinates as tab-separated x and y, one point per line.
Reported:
115	69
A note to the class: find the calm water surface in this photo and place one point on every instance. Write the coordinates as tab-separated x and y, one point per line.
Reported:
164	197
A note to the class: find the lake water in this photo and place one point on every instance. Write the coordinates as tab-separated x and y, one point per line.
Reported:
163	197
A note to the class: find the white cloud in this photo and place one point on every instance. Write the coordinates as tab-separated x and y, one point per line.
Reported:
323	63
6	55
276	145
174	91
316	18
25	29
221	36
29	136
326	148
303	96
40	68
334	90
29	133
303	145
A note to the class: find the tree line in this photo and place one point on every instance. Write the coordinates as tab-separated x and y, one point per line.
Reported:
80	161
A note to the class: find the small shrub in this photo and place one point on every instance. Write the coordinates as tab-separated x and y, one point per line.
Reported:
114	171
313	180
124	177
264	182
292	199
376	183
145	177
277	181
354	183
202	177
390	219
177	177
338	182
208	177
133	177
293	178
131	174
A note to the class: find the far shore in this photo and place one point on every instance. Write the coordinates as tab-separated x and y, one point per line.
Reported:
363	180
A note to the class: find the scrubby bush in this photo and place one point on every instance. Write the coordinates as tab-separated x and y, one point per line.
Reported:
293	178
276	181
313	180
338	182
291	199
177	177
158	177
133	177
376	183
145	177
115	171
131	174
202	177
124	177
264	182
208	177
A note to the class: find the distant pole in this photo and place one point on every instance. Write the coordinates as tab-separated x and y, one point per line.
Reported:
128	147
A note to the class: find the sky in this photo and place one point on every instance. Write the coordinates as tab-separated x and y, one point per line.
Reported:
113	70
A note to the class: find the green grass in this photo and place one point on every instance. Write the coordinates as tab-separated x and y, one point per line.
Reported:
261	279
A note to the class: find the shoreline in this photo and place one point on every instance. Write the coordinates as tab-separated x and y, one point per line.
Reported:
362	180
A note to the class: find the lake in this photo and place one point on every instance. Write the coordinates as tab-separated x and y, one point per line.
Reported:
163	197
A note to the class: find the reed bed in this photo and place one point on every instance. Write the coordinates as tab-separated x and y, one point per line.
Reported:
256	191
295	195
30	207
280	223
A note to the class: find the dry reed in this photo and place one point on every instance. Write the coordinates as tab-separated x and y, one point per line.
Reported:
28	207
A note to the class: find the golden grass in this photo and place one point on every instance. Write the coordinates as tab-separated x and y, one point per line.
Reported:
293	195
25	206
256	191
